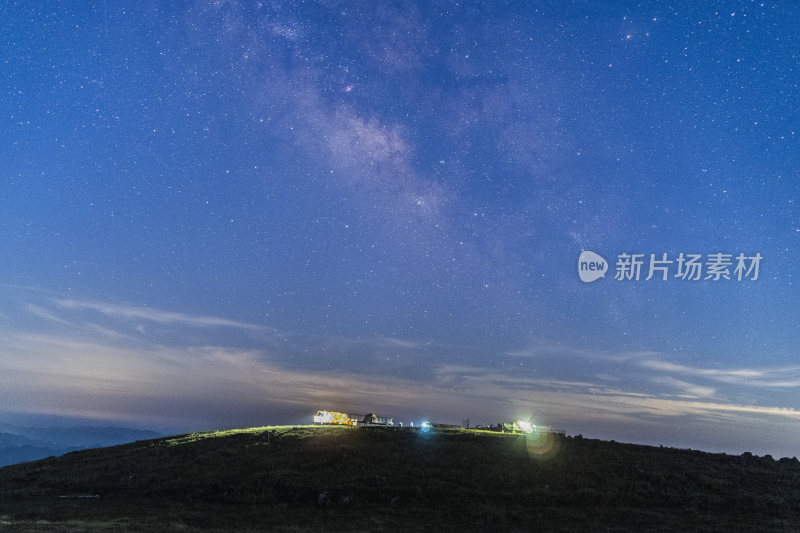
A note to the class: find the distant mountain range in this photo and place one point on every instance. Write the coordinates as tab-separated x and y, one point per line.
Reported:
20	444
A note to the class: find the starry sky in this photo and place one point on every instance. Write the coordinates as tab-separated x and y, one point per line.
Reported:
217	213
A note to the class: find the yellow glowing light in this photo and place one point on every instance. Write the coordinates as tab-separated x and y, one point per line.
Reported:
332	417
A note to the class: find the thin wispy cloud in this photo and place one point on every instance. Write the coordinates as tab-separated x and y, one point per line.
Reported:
147	314
95	373
783	377
686	389
653	362
41	312
248	369
562	394
395	342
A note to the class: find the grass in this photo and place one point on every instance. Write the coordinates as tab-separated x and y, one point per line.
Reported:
310	478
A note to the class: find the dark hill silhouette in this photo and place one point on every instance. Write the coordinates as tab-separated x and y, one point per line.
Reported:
381	479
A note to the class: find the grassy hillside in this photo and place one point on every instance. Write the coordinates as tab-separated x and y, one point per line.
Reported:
339	478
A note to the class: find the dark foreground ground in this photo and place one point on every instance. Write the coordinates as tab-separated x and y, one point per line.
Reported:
341	479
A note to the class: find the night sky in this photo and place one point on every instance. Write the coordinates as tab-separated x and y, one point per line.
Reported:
217	214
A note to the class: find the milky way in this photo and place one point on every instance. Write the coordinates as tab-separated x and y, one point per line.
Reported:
226	214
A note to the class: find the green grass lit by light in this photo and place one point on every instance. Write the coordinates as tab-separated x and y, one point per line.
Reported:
277	431
315	430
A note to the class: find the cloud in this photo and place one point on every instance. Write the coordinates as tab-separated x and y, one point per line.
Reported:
154	315
95	378
41	312
685	388
394	342
74	377
67	366
629	363
571	398
781	377
562	350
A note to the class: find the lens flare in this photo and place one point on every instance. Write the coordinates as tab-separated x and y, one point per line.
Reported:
542	446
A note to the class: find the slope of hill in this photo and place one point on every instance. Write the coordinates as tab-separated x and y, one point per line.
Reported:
340	478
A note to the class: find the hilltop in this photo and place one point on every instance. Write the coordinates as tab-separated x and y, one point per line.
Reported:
339	478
